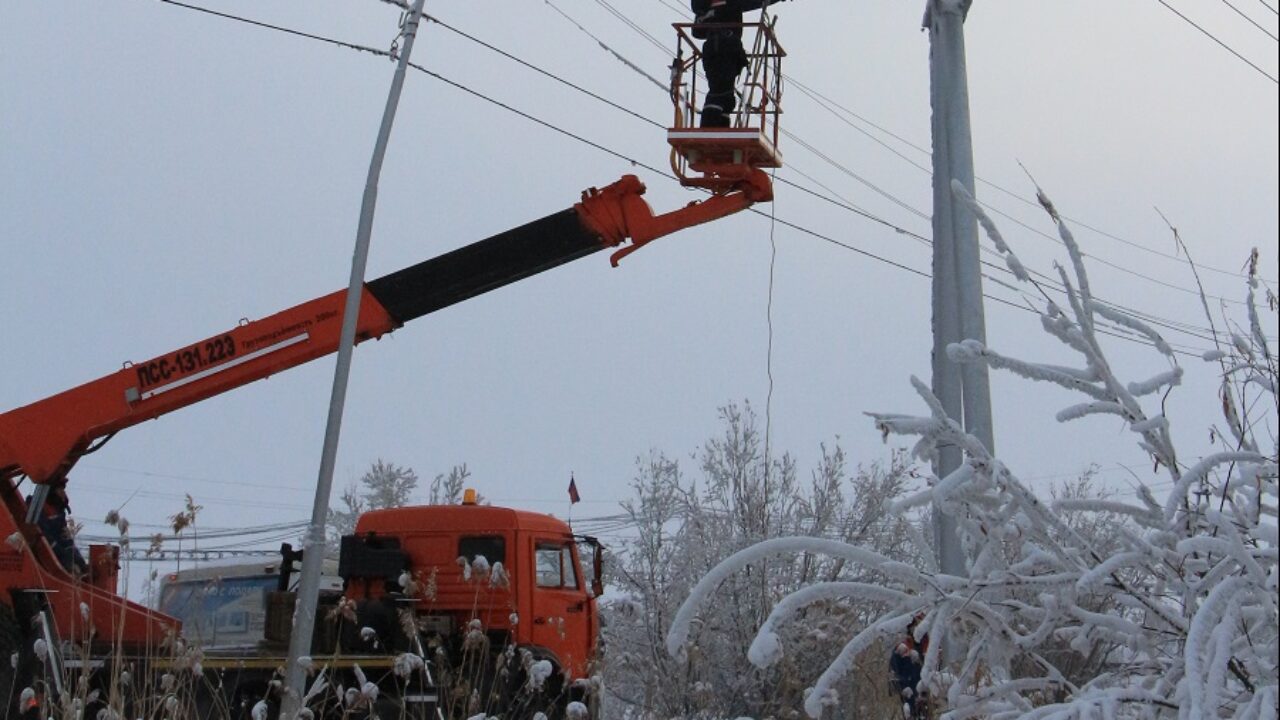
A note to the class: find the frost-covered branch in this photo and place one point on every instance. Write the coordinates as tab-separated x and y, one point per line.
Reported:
1090	607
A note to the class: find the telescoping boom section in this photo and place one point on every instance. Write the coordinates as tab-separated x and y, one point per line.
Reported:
42	441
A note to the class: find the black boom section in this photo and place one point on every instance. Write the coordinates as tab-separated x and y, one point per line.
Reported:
485	265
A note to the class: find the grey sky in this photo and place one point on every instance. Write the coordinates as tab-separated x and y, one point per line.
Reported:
166	172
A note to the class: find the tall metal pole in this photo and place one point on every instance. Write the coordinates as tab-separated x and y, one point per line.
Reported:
964	390
309	577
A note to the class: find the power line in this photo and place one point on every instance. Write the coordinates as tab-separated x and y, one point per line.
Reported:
277	28
617	154
200	535
1164	322
1248	19
1192	330
631	24
606	47
875	188
190	478
1170	324
157	495
1214	38
832	106
548	74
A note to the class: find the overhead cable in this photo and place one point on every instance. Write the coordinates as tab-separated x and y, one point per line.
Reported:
1248	19
1214	38
605	46
831	106
877	189
612	152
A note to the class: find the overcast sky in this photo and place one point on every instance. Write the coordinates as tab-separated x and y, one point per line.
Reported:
166	172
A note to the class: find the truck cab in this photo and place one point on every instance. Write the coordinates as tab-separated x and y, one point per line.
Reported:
477	575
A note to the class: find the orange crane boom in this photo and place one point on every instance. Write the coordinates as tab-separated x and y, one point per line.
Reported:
42	441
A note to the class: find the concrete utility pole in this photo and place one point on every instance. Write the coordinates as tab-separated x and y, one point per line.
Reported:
309	578
964	390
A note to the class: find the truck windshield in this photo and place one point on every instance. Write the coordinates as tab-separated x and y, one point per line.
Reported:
219	611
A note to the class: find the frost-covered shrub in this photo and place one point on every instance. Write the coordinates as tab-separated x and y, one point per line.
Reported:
1066	610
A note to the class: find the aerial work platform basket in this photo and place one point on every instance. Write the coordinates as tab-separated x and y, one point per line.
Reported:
717	158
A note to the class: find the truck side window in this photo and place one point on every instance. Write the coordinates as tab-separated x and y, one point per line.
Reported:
550	566
555	566
570	567
492	547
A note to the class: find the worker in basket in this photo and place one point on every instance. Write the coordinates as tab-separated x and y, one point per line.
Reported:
718	23
54	523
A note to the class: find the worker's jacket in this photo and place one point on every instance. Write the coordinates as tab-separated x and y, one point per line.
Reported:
724	11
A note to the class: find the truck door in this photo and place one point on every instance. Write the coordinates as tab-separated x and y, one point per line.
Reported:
561	617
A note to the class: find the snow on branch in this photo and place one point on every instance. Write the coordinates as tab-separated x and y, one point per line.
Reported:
1171	378
766	649
678	635
1144	515
1127	320
974	351
1075	412
1198	472
1011	260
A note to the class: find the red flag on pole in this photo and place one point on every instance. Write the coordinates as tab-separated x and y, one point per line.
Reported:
573	491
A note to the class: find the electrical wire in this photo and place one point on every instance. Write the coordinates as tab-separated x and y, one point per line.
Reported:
1035	204
919	213
607	523
550	75
190	478
1194	331
1120	268
1119	333
599	146
768	360
607	48
831	106
836	109
1165	323
631	24
209	534
179	497
1248	19
1214	38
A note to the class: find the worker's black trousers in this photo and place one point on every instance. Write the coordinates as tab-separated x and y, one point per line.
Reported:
723	59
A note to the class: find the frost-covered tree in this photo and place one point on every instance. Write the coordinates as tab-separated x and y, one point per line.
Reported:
387	485
1173	615
383	485
447	488
684	527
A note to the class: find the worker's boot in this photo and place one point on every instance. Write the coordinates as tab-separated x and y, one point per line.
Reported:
713	117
